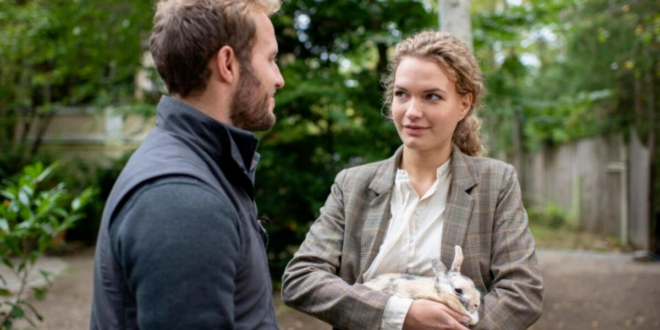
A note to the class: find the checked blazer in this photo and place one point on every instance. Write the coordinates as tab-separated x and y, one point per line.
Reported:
484	215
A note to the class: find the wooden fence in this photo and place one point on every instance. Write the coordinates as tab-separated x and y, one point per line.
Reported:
91	133
603	184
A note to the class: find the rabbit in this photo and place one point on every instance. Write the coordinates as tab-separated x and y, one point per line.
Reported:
449	287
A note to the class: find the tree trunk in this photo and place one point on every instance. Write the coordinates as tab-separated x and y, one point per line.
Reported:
42	125
43	121
454	18
382	58
517	144
639	104
654	226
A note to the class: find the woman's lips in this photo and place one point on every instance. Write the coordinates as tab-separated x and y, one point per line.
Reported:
414	129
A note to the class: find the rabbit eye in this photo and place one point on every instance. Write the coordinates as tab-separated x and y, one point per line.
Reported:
459	290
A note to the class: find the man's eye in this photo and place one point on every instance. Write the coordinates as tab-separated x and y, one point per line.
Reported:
433	97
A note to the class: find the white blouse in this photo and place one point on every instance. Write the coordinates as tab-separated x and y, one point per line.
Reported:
413	237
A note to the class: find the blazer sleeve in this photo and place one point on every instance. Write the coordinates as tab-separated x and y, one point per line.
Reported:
515	298
311	284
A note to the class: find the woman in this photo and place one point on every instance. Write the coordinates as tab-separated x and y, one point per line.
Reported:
434	193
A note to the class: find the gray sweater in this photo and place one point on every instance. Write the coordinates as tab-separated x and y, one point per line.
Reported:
180	246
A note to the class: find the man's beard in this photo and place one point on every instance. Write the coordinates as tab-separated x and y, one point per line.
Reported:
249	104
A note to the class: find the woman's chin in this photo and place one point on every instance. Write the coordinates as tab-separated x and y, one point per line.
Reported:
412	142
417	145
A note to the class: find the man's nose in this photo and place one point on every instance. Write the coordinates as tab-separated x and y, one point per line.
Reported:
279	79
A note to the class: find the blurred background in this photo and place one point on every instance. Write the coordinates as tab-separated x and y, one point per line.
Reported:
571	102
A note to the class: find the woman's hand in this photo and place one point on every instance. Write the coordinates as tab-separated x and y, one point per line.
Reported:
425	314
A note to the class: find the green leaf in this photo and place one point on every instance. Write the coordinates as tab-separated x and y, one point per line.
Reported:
7	262
24	198
22	265
5	292
8	194
40	293
46	275
4	225
61	212
34	310
17	312
76	204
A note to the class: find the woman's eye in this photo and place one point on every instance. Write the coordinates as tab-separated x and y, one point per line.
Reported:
399	94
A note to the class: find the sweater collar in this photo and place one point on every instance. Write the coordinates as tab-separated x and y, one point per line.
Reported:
218	140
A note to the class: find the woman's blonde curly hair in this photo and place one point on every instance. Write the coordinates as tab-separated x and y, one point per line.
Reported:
459	64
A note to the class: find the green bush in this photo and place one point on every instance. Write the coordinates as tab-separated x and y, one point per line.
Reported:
31	218
82	173
550	215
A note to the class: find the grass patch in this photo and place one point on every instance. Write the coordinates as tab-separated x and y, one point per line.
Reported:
554	227
563	238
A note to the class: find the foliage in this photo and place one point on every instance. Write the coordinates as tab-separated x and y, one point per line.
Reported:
550	215
31	219
519	47
59	53
562	70
79	173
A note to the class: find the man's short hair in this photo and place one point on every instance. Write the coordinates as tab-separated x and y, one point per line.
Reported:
187	33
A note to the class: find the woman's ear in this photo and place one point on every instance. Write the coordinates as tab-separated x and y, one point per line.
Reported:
466	104
226	65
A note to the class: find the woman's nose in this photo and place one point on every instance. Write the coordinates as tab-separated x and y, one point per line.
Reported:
413	110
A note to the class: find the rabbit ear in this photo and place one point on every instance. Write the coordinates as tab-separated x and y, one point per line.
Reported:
458	259
438	267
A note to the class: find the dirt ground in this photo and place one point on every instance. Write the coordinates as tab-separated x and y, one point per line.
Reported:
584	290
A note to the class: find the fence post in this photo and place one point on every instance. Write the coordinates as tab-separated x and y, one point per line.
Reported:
114	126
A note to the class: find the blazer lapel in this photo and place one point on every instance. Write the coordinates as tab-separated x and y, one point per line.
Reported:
379	213
459	205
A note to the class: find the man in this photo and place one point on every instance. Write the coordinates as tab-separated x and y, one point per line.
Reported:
180	246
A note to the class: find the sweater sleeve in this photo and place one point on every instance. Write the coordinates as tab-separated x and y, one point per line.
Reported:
177	242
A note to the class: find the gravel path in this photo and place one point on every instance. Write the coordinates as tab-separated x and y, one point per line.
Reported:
584	290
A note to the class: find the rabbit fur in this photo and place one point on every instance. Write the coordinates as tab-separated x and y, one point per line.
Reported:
449	287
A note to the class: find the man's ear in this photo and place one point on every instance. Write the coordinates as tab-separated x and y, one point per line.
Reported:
227	65
466	104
